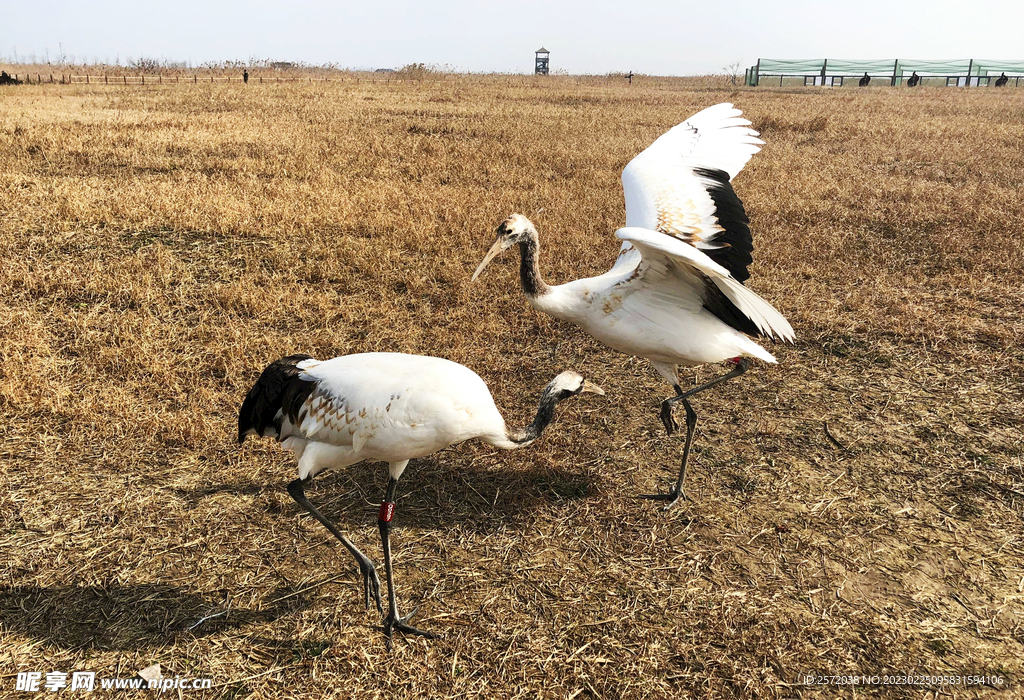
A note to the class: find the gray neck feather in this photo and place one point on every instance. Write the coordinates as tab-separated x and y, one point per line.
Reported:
545	412
529	270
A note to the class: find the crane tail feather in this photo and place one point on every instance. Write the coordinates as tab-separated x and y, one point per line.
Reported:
762	314
279	391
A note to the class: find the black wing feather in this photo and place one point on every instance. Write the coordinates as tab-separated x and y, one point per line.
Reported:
735	252
722	307
736	242
279	388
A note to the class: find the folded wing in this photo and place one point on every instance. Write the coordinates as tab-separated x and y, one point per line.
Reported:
722	294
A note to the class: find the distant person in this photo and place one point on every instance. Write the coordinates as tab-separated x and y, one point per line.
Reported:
914	80
1002	80
245	75
865	80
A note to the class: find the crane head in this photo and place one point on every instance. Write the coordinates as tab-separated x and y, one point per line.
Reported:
569	383
515	229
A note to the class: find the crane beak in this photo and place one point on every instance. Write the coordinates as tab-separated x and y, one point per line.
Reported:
499	245
592	388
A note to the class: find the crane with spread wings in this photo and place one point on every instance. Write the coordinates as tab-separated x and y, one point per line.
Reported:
675	294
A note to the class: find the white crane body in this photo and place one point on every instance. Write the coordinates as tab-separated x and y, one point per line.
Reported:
387	407
664	323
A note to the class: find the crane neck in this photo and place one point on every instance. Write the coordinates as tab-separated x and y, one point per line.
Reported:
529	269
545	412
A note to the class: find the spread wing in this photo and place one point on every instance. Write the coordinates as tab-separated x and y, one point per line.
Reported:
681	212
680	186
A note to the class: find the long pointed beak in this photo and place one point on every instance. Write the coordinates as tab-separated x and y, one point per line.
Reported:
592	388
495	249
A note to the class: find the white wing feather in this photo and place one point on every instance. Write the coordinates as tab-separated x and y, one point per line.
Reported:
670	215
660	249
662	190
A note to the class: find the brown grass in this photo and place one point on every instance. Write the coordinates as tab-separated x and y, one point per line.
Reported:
856	509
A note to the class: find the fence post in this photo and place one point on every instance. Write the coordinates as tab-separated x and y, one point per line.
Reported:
970	69
125	79
895	67
757	73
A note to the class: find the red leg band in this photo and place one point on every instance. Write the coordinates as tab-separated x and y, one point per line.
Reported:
386	511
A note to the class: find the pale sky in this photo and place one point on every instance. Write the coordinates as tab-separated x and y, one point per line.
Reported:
656	37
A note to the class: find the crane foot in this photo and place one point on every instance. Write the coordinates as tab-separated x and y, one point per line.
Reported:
393	622
371	584
673	497
667	419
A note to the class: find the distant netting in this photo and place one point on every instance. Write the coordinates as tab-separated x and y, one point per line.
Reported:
990	67
884	68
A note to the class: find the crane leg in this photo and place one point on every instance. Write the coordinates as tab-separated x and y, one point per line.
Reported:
371	582
676	493
392	621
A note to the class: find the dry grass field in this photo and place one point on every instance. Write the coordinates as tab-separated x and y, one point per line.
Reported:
857	508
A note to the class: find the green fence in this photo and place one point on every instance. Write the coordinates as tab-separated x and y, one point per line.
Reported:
834	72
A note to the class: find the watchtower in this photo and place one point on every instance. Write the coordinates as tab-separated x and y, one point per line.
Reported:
541	66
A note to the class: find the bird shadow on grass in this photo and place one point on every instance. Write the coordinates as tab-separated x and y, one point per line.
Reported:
124	617
432	493
192	495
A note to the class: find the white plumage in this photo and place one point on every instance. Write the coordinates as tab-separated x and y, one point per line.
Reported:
675	294
390	408
661	188
385	407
